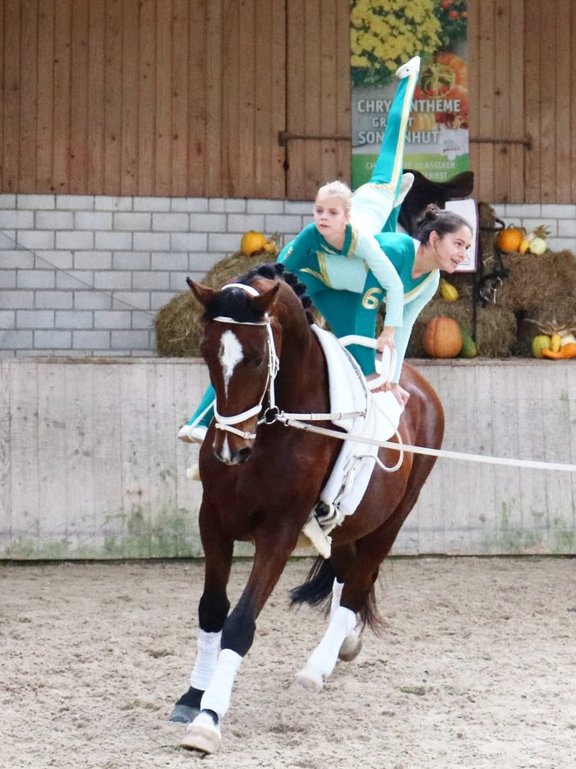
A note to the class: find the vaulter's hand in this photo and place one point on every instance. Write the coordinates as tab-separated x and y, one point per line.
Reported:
386	339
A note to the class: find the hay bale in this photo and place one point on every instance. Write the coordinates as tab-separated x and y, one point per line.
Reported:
536	281
178	331
464	282
229	268
495	331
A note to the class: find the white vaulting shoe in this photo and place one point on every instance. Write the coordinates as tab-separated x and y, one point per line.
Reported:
193	472
405	186
404	70
192	434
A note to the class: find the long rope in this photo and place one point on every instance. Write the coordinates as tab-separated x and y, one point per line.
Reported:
441	453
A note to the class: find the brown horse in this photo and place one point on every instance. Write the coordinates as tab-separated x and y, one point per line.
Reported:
261	480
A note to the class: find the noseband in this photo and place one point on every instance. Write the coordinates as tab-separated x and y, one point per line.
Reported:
227	423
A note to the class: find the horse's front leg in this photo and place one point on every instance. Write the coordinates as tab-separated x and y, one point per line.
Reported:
212	612
269	562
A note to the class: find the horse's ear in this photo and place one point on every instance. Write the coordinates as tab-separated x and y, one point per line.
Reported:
202	293
264	301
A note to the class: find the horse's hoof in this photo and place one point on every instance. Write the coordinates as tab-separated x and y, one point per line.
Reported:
202	734
310	679
183	714
351	647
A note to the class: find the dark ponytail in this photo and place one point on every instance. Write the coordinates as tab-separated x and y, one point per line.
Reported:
438	220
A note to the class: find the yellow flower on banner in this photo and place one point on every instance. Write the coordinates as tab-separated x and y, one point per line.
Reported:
386	33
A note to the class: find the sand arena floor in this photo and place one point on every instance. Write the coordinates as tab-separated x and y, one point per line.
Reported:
476	669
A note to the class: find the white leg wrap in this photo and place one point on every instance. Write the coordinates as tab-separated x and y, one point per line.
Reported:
208	648
337	588
325	655
218	694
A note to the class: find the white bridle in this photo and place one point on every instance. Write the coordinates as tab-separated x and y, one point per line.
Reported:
272	413
227	423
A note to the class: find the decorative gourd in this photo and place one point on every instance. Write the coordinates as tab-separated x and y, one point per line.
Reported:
253	242
540	343
442	338
469	349
566	351
509	239
448	291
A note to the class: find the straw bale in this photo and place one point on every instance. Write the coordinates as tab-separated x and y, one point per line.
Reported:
495	331
536	281
178	331
541	288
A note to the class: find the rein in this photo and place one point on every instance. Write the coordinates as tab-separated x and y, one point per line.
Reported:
272	414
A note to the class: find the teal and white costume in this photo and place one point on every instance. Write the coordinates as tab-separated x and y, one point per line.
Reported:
348	286
376	204
401	251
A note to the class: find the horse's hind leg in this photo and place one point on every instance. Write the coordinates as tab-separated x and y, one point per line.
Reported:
352	644
323	659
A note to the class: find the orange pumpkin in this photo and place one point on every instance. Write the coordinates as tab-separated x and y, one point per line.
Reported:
442	338
509	239
253	243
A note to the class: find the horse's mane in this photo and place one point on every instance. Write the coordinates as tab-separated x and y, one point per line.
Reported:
237	303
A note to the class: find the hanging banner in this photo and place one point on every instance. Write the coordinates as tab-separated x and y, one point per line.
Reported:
384	35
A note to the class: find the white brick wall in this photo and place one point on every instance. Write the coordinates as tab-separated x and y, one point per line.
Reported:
85	275
561	219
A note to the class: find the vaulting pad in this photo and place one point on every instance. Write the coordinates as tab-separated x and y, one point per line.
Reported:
377	419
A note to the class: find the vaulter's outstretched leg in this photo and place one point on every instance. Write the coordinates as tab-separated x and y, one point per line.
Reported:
195	429
375	205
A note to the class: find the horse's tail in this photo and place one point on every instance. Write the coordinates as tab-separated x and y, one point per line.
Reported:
317	588
317	591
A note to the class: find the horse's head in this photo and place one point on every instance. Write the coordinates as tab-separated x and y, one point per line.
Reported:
240	351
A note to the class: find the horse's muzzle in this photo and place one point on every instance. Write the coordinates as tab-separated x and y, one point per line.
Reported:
228	457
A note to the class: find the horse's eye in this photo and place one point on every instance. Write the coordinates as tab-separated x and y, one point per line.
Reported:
254	362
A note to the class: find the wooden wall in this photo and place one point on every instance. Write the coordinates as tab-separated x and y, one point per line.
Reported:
523	100
90	466
143	97
251	98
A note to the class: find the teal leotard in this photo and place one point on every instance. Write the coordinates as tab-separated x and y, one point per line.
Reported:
401	251
348	287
